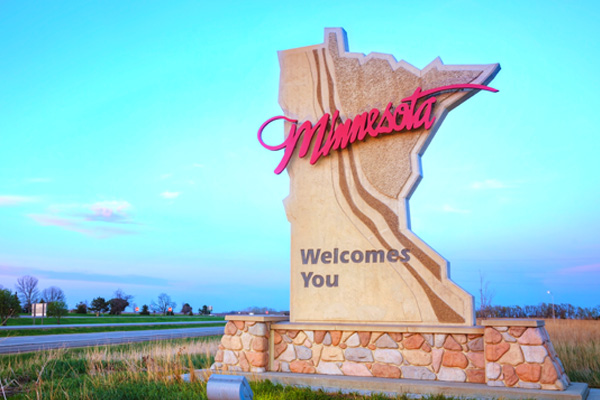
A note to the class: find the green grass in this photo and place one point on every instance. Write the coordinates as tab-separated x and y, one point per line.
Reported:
57	331
136	371
112	319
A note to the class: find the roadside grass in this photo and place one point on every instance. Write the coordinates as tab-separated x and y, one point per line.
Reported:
577	343
135	371
67	330
151	370
112	319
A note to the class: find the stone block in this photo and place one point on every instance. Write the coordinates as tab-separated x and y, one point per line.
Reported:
385	371
288	354
516	331
452	375
529	372
329	368
330	353
302	367
229	357
302	353
355	369
513	356
386	342
477	359
412	372
493	352
388	356
436	362
417	357
319	335
365	337
413	342
510	376
353	340
258	329
230	328
531	337
336	337
260	344
300	338
492	371
549	372
358	354
476	344
247	340
451	344
257	359
492	336
535	354
454	359
439	339
475	375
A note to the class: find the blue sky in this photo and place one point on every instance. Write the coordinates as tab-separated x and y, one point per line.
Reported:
129	159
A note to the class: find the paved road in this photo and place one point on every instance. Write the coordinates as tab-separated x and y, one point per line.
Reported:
8	328
23	344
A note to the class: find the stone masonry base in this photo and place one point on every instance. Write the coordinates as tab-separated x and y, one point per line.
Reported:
500	352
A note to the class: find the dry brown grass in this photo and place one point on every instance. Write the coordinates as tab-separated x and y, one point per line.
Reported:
578	346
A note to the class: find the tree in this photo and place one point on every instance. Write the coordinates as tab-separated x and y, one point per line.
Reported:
81	308
485	297
28	291
186	309
57	309
204	310
53	293
145	310
119	303
9	305
163	303
99	305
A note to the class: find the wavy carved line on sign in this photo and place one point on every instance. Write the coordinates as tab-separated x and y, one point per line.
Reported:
443	312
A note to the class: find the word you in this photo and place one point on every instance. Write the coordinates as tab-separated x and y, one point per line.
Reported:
332	133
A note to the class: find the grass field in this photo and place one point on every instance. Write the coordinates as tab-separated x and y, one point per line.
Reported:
147	370
578	346
67	330
110	319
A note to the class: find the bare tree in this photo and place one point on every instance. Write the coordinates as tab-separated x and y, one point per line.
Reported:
53	293
28	291
485	297
163	303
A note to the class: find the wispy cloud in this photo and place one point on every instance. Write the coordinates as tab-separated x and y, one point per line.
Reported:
39	180
165	176
490	184
580	269
450	209
110	211
99	232
198	165
170	195
9	200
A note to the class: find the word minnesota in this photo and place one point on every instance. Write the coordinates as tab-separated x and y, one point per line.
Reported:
313	256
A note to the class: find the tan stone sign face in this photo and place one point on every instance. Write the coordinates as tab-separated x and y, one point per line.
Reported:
353	255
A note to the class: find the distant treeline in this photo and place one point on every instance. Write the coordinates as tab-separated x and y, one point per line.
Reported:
542	310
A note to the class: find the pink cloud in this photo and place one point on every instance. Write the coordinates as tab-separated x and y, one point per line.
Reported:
8	200
580	269
110	211
99	232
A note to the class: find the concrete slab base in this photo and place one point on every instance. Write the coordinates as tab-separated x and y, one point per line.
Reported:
416	388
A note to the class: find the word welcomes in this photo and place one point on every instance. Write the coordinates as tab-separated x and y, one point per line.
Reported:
331	135
313	256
